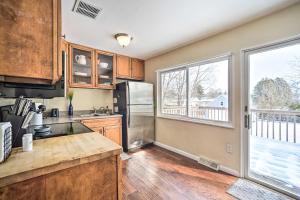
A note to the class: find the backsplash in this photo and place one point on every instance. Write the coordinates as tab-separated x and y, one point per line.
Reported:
84	99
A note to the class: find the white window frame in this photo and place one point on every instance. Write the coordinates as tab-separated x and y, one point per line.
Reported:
244	73
186	66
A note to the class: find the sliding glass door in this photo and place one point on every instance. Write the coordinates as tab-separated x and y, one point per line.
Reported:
272	115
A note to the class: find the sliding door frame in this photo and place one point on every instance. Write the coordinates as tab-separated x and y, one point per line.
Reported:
245	74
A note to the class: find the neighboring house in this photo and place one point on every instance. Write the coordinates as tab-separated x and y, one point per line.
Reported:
219	101
205	102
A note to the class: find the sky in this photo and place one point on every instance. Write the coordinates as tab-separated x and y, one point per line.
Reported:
219	75
273	64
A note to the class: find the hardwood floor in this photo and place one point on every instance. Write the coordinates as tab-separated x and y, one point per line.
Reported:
156	173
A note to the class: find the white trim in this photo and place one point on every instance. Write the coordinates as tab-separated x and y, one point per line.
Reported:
223	168
180	152
243	90
244	102
196	121
229	171
231	110
242	131
272	43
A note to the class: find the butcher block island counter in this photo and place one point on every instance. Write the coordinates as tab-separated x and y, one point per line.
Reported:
81	166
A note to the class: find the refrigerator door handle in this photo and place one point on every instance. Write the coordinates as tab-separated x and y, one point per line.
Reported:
128	104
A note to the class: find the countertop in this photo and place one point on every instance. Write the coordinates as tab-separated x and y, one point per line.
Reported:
57	153
75	118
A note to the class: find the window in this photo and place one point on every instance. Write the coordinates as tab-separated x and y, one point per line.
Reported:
197	91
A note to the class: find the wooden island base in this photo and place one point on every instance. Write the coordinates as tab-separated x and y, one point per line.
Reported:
81	166
95	180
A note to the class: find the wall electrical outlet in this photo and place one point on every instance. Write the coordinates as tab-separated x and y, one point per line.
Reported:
229	148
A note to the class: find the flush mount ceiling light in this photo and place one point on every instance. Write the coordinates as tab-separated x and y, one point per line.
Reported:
123	39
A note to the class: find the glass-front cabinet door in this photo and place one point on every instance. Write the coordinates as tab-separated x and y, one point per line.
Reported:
81	66
105	64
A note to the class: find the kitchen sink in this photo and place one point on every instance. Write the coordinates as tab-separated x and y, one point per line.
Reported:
94	115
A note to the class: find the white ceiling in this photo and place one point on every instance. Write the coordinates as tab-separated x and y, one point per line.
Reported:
159	26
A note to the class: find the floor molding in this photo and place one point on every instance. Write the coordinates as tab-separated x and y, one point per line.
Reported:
196	158
229	171
183	153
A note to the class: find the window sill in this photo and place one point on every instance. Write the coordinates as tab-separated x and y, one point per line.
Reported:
198	121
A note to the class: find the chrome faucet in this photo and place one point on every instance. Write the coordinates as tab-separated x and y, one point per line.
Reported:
95	110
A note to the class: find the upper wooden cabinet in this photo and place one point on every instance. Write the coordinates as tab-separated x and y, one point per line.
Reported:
137	69
123	66
105	69
30	33
81	61
130	68
91	68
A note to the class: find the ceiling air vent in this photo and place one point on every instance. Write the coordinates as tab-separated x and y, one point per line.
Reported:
86	9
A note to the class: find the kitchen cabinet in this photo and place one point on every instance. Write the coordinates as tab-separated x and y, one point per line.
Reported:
81	70
130	68
78	166
113	133
30	41
137	69
105	70
91	68
109	127
123	67
94	180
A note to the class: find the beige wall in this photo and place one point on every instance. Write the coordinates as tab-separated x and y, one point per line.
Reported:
210	141
84	99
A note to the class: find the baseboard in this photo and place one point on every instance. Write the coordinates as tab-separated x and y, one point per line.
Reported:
173	149
196	158
229	171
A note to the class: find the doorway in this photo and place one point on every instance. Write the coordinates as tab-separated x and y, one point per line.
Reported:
272	115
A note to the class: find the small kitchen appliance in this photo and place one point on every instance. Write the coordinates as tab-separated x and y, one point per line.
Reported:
5	140
54	112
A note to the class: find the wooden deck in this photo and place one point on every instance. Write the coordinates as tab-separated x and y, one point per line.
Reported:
276	161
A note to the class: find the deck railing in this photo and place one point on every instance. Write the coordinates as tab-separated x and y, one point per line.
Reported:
207	113
276	124
272	124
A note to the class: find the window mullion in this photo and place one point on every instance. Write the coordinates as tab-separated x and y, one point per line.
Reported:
187	91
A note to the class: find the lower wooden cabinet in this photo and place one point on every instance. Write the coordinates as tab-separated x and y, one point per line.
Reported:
109	127
113	133
100	179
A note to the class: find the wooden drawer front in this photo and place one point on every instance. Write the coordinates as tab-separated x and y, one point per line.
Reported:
101	122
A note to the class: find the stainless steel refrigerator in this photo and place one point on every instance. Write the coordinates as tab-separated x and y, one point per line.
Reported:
134	101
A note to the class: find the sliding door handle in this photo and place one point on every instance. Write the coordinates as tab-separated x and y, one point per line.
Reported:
247	121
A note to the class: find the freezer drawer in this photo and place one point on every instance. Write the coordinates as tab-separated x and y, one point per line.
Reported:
140	130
